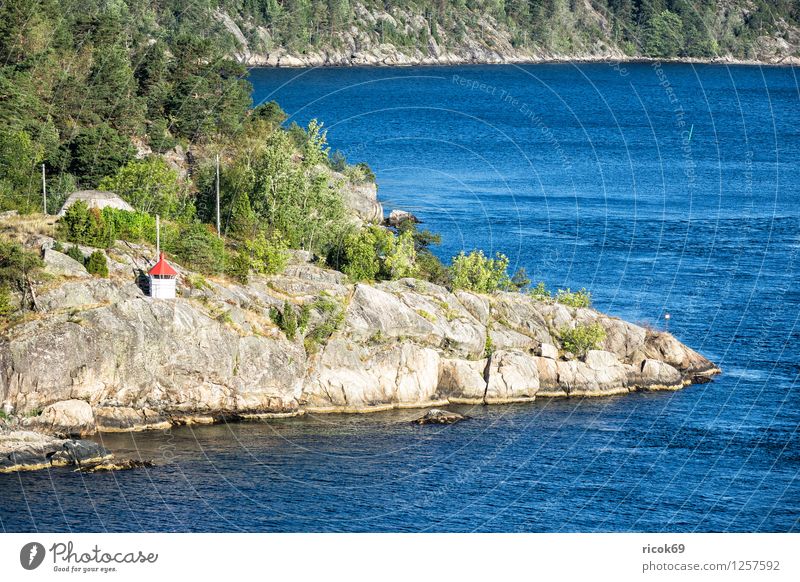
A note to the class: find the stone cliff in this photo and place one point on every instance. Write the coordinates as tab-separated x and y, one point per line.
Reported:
100	355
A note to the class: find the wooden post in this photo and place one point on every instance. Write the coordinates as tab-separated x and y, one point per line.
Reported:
44	190
219	231
158	237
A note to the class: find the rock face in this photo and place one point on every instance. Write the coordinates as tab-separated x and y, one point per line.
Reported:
102	356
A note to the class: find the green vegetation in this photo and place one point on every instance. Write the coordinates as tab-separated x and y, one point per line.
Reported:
582	338
478	273
569	298
331	317
287	319
18	268
76	254
97	264
540	293
374	253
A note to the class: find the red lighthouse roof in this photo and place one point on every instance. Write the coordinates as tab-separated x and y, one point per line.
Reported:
162	268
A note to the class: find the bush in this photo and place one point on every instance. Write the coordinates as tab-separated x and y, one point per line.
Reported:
331	320
540	293
76	254
238	267
478	273
582	338
84	225
131	226
97	152
267	256
97	264
6	302
286	319
375	253
199	248
580	298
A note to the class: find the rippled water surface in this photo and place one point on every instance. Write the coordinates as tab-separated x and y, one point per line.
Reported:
660	190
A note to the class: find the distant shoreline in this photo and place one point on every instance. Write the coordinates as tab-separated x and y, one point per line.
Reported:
314	61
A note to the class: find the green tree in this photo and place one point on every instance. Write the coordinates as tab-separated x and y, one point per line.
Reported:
97	152
664	35
149	185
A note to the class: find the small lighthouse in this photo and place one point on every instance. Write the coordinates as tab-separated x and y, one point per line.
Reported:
162	279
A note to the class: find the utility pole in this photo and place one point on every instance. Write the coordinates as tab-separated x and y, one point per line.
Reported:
158	237
44	190
219	231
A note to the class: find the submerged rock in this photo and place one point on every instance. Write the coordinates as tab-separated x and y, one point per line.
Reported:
438	416
115	465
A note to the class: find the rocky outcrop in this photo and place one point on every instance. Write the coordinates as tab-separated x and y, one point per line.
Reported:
22	450
101	356
438	416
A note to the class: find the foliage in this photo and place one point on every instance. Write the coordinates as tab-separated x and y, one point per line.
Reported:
149	185
97	264
98	151
569	298
540	292
582	338
664	35
76	254
266	256
198	247
6	302
286	319
18	267
20	182
130	226
331	317
519	281
83	225
478	273
375	253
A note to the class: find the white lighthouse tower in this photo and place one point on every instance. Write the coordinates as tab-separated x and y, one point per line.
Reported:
162	279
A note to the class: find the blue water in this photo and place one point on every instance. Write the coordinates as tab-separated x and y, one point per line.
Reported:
584	175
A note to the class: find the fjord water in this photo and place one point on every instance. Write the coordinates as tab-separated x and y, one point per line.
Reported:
671	190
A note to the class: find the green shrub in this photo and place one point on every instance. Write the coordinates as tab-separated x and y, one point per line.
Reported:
478	273
286	319
6	302
131	226
76	254
580	298
97	264
58	246
540	292
238	267
198	247
331	319
582	338
84	225
375	253
18	268
267	256
519	281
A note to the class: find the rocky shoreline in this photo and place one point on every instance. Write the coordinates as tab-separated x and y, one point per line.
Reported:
399	59
100	356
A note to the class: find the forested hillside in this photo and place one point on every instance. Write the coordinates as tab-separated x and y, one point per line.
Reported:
370	31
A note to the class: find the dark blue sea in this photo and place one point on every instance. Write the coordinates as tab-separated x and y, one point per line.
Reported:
662	190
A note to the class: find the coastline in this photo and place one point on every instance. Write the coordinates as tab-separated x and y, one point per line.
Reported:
315	61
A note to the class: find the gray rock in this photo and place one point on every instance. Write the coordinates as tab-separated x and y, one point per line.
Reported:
438	416
513	377
398	217
547	351
58	263
66	418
